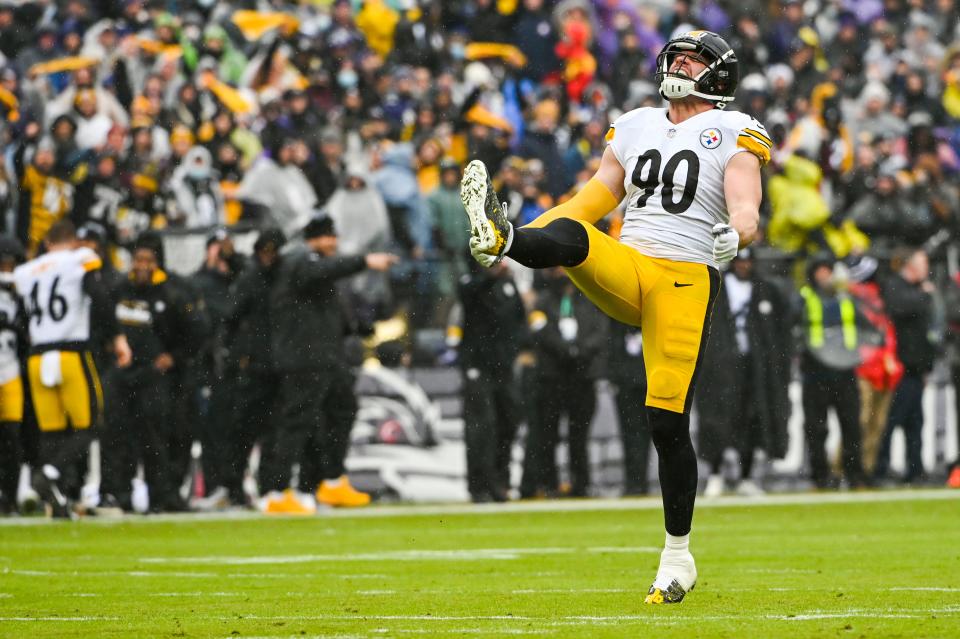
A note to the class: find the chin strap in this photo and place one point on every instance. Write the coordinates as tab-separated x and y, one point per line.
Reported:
677	87
674	87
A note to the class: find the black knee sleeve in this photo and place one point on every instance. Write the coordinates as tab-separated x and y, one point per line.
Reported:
563	242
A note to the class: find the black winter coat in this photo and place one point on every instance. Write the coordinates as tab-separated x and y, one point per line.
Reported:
308	317
910	310
157	319
250	319
494	323
625	365
769	326
585	355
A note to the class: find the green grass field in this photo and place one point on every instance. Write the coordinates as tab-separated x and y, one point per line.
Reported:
875	565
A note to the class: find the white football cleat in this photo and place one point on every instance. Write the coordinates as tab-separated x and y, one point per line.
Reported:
676	577
489	227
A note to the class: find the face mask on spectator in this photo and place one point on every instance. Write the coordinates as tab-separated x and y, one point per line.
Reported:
347	78
199	172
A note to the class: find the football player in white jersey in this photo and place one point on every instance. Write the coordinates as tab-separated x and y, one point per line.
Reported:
61	290
690	174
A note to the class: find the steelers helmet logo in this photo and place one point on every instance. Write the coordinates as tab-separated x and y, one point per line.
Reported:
710	138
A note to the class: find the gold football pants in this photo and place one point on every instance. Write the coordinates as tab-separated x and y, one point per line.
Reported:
11	401
670	301
78	397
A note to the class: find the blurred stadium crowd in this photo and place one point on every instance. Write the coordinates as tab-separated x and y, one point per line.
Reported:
143	120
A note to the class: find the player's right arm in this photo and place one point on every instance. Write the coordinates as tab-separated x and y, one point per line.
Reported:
742	191
599	196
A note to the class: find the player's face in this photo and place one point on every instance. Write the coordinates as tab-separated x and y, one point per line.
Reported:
688	64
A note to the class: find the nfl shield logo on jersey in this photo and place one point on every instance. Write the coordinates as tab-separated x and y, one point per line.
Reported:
710	138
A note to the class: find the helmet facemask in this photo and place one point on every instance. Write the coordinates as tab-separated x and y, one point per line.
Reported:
715	83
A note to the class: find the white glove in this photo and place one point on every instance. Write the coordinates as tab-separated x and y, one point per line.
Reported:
477	250
726	242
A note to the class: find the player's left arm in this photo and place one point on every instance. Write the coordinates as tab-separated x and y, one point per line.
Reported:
742	191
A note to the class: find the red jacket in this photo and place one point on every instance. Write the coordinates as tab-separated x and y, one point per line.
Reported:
881	367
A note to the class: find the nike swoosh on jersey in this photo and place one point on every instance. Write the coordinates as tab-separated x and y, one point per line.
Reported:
679	285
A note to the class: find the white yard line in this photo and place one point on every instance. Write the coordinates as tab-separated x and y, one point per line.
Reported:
114	573
300	637
188	574
563	591
474	554
472	631
59	619
198	593
651	618
572	505
782	571
851	615
375	618
569	620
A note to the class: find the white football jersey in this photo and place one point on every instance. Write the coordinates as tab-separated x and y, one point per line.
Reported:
674	177
58	309
9	364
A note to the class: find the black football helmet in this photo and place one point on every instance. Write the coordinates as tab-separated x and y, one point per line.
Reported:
717	83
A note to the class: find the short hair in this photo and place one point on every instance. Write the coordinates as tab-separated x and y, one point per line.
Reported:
147	244
61	231
901	255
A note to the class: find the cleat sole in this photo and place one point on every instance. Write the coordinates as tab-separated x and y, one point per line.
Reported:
473	194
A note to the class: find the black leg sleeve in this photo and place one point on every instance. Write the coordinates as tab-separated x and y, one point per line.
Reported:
563	242
10	457
678	467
